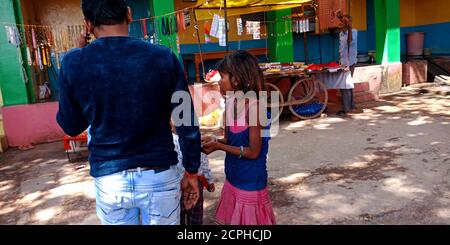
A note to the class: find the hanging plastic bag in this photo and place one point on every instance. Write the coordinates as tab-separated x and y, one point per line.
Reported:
44	91
215	26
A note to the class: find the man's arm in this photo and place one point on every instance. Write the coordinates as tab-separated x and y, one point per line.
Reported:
70	116
189	139
189	135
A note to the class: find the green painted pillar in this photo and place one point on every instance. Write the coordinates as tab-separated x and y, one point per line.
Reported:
29	83
387	26
12	84
281	39
159	8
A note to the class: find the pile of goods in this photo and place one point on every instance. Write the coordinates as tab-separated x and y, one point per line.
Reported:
212	76
331	67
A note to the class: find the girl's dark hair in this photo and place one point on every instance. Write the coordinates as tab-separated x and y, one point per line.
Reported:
105	12
243	67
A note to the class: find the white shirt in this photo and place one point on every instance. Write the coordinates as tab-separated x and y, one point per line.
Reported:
204	161
348	58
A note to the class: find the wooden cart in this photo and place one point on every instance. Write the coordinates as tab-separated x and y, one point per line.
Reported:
306	97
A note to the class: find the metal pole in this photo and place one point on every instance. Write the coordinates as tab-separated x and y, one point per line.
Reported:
226	24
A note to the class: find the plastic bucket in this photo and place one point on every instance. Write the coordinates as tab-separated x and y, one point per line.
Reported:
414	41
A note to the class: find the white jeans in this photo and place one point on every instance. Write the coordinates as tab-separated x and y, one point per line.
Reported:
140	197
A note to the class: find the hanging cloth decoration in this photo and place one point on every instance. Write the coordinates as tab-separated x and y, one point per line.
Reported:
249	27
256	30
28	45
173	25
215	26
35	48
39	59
187	18
44	55
164	27
207	27
144	29
181	22
240	27
221	33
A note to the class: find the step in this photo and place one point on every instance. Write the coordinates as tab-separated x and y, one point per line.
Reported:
364	97
361	87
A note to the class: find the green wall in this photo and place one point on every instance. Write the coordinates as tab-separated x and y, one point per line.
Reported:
161	7
12	84
281	45
387	26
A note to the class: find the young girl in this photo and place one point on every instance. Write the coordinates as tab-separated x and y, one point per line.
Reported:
245	196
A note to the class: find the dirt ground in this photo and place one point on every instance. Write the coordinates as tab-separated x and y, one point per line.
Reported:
389	165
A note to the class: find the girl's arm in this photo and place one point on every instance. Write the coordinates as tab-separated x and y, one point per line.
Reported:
252	151
224	140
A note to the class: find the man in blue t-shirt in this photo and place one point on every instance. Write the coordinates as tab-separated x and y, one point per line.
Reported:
121	88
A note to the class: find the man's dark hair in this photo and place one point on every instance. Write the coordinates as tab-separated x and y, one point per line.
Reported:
105	12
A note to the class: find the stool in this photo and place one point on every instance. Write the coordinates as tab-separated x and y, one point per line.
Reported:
70	144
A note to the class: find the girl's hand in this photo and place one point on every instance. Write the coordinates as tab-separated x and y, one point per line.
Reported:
210	147
207	139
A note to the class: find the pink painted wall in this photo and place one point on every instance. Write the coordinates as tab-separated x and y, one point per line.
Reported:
31	124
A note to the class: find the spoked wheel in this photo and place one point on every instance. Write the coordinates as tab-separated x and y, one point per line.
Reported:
274	104
310	97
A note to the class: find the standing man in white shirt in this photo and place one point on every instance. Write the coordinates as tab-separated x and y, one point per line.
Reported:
348	51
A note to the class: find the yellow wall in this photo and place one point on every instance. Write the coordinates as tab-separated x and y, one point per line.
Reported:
424	12
358	11
52	12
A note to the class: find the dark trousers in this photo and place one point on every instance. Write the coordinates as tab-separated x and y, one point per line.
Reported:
193	216
348	102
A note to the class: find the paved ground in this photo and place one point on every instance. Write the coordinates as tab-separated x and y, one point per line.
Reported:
390	165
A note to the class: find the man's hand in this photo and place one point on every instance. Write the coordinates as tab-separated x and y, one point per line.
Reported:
191	192
347	69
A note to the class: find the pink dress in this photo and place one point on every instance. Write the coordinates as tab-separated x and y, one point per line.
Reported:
236	205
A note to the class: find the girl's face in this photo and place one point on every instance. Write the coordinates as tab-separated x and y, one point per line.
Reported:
225	83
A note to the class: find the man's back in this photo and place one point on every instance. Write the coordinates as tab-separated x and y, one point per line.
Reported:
123	87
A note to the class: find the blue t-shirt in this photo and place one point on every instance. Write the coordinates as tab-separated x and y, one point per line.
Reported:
246	174
122	88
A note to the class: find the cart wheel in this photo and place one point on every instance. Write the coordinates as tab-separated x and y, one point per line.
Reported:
311	95
270	104
301	92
